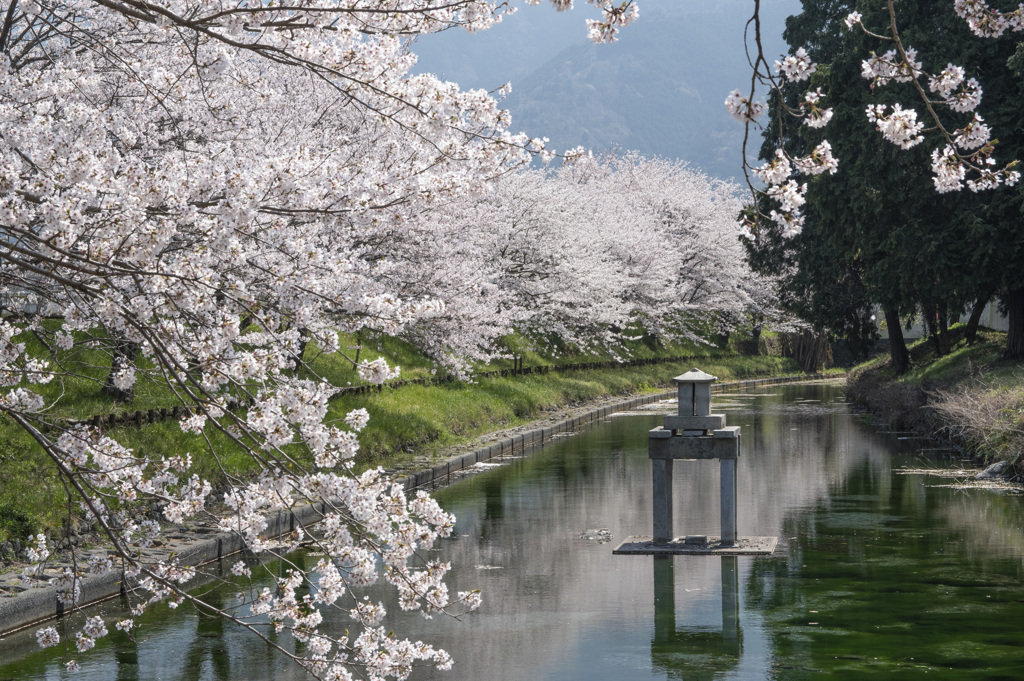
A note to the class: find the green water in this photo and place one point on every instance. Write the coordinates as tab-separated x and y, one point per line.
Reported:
895	575
899	578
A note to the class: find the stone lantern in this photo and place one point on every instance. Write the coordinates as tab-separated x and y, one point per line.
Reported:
694	433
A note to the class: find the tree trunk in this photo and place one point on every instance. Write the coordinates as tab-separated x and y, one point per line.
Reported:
297	360
897	345
1014	300
930	314
124	356
942	320
971	332
810	350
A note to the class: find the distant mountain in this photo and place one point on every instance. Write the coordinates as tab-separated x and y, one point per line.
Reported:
659	90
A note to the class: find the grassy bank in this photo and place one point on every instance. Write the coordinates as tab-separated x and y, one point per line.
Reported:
431	418
407	421
971	396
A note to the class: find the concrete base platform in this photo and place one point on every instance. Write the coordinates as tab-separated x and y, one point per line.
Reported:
693	546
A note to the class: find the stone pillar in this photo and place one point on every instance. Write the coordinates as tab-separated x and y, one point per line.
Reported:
694	434
728	485
661	482
664	599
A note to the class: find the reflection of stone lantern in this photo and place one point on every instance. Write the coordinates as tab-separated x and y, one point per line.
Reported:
692	651
693	434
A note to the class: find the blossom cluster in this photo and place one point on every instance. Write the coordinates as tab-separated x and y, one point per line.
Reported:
614	15
814	115
796	67
890	67
959	94
900	127
790	194
742	109
987	22
975	134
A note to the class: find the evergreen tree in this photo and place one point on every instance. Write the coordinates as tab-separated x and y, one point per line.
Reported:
877	231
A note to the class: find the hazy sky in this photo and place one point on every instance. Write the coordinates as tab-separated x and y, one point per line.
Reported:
663	98
536	34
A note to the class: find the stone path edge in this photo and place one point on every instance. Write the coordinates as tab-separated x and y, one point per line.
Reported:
39	604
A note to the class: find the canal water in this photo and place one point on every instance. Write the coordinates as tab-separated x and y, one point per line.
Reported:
888	563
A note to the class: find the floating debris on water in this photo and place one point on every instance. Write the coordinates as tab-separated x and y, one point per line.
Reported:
965	479
601	536
1000	485
937	472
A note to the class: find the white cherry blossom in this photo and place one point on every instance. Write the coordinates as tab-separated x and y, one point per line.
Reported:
900	126
975	134
796	67
47	637
814	115
742	109
948	170
987	22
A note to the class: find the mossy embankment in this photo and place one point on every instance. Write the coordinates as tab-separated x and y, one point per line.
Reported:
971	396
409	422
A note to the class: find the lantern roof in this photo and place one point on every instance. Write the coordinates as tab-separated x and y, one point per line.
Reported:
695	375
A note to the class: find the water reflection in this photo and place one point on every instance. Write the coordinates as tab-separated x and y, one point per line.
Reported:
693	652
207	653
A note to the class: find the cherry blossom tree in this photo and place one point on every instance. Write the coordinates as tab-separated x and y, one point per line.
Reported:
438	254
601	248
205	181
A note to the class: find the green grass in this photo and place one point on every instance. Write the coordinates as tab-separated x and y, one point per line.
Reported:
965	361
338	370
430	418
28	485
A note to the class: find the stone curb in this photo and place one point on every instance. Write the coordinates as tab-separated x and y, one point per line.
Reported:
39	602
